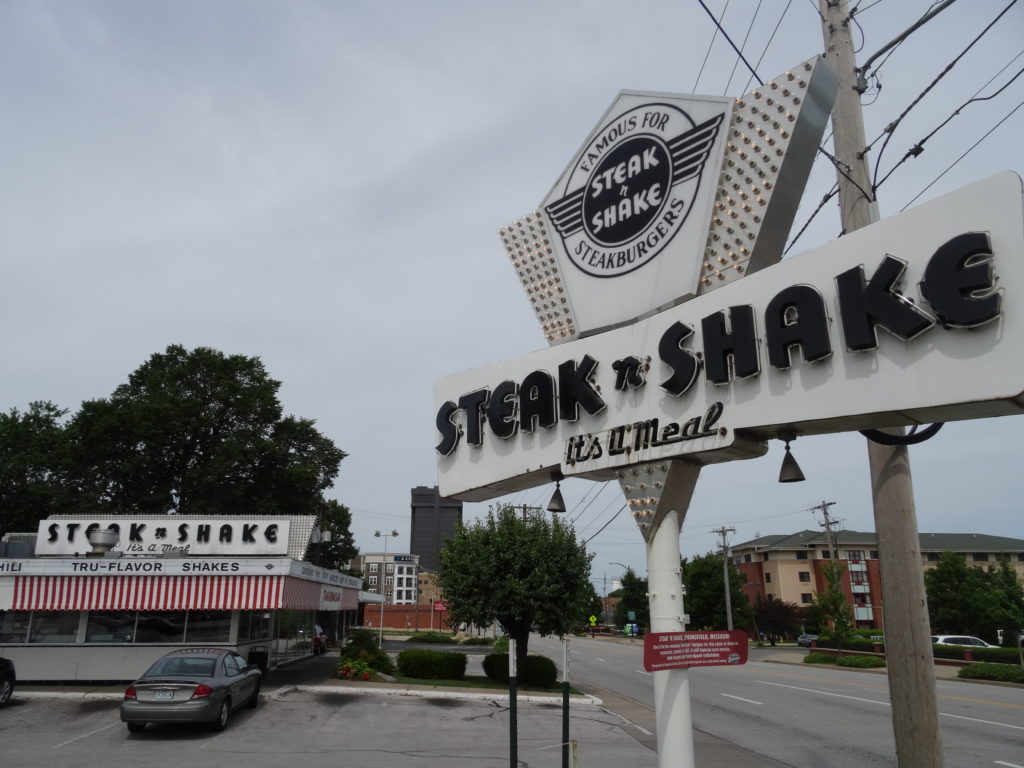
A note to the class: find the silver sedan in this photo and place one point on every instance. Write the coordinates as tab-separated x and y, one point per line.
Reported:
191	686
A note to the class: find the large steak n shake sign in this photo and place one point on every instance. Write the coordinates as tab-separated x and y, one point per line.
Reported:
915	319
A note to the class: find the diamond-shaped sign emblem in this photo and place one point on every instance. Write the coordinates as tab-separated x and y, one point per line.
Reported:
669	197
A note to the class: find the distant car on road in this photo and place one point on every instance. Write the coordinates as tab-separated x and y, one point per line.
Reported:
203	685
964	640
805	638
7	680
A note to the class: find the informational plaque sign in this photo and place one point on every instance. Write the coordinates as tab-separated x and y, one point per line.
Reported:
679	650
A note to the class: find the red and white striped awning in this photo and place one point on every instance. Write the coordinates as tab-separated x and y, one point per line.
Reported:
159	593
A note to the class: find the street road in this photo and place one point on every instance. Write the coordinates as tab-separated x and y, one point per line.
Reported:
805	715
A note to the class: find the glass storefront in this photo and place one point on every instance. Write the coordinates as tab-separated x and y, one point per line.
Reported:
123	627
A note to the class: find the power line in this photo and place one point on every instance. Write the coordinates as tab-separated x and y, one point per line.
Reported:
606	524
768	44
729	40
710	46
972	147
746	37
890	129
918	148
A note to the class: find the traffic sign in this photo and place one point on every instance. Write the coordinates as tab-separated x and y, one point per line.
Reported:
593	620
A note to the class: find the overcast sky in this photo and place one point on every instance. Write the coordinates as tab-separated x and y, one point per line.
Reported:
319	184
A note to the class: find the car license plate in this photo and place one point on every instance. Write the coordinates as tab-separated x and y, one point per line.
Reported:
163	695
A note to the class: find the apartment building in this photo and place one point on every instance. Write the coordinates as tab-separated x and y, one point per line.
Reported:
789	566
392	575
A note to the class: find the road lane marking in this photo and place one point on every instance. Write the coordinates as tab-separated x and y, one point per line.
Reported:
740	698
987	722
83	736
983	701
887	704
645	672
826	693
1008	765
601	660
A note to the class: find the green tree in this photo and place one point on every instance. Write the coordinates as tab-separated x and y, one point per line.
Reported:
198	432
959	598
963	599
705	593
336	520
518	573
634	598
834	606
33	451
776	618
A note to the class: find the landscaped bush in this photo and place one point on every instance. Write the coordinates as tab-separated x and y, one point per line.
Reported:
432	665
536	670
501	644
355	669
819	658
360	640
852	644
860	662
478	641
1004	673
995	655
496	666
431	637
539	671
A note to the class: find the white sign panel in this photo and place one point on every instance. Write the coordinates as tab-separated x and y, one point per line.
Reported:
918	318
149	536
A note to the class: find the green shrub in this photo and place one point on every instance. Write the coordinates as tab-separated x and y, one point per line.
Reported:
819	658
496	666
431	637
478	641
860	662
501	644
536	670
432	665
360	640
539	671
1004	673
374	658
995	655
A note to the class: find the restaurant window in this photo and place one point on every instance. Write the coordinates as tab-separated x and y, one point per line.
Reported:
208	627
54	627
160	627
14	626
253	625
110	627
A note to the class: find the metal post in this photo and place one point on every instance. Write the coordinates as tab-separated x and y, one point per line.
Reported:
565	702
671	687
513	724
907	635
725	574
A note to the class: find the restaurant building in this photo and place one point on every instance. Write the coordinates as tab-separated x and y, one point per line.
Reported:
76	608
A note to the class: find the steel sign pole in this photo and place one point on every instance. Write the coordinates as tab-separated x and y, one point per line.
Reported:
671	687
908	648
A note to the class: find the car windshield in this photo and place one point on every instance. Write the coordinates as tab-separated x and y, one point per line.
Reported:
188	666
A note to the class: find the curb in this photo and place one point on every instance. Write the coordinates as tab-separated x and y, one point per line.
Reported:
585	700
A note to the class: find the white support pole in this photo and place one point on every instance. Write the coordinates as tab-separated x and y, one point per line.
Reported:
671	687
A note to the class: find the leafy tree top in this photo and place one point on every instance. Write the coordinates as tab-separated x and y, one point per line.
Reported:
516	573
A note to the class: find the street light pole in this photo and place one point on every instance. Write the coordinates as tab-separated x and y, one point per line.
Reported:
383	576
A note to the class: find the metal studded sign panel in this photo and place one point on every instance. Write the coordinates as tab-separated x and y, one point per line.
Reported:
915	319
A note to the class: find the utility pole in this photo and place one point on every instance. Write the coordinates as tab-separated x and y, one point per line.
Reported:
525	509
910	665
725	574
827	524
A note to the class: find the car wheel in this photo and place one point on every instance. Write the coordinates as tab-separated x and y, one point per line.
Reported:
222	718
6	690
255	699
136	727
